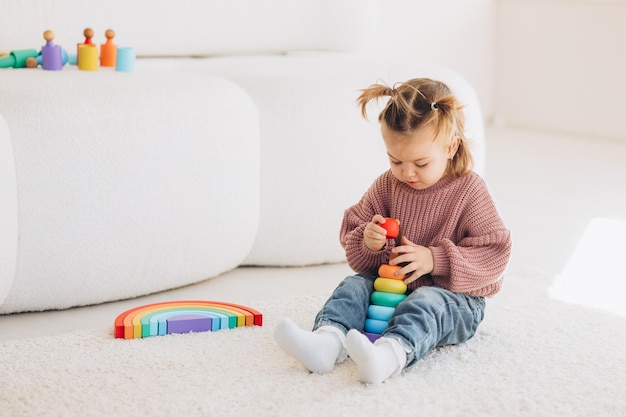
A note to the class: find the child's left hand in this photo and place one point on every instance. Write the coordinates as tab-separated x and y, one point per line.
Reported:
419	260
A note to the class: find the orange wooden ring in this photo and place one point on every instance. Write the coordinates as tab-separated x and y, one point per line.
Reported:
389	271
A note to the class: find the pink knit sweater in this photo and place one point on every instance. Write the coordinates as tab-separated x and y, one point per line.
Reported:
455	218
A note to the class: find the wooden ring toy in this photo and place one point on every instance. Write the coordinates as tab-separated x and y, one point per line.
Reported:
371	336
386	298
380	312
390	285
375	326
389	271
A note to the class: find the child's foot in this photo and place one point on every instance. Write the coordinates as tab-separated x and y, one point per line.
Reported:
317	351
375	362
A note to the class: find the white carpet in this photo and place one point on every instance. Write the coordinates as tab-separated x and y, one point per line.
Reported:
533	356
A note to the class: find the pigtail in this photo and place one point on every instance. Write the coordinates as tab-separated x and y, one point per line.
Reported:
453	125
446	104
373	92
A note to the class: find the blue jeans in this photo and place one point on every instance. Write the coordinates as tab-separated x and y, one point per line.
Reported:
427	318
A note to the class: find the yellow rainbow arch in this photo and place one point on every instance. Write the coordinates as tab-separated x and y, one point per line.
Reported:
186	316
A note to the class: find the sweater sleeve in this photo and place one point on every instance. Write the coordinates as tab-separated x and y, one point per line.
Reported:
475	264
360	258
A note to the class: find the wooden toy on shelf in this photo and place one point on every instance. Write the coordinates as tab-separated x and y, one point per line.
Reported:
17	58
51	54
108	50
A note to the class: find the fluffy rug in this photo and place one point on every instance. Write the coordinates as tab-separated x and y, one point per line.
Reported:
533	356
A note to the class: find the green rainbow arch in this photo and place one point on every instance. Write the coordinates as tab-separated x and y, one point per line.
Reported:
186	316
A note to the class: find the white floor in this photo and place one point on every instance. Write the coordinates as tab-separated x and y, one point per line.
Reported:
549	189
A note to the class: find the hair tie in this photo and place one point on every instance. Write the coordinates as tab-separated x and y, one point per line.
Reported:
433	106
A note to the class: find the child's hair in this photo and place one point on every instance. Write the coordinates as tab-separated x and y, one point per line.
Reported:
419	102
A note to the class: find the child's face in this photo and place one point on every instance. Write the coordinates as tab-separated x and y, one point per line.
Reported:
416	158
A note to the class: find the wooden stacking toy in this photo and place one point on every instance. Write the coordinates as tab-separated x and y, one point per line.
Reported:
389	290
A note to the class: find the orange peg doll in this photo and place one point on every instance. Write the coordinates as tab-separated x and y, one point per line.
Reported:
108	50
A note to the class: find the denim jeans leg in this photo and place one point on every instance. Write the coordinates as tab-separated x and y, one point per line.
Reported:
347	306
431	317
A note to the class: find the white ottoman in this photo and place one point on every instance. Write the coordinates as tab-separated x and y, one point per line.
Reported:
8	212
127	184
318	155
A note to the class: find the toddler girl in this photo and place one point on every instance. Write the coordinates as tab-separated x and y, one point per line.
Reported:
454	246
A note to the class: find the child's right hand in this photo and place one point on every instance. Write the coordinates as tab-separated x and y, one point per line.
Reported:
374	236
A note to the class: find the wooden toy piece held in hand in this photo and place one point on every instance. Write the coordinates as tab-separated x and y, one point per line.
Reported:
392	226
389	271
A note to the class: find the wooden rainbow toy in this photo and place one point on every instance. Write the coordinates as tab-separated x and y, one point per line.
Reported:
169	317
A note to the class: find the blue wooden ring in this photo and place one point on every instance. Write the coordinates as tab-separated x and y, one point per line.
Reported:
383	313
375	326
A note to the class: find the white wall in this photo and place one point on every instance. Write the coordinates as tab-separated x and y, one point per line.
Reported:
457	34
561	65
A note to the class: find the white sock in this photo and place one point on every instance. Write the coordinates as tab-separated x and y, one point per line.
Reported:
317	351
378	361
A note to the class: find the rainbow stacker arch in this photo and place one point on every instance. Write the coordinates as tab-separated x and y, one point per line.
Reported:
163	318
389	291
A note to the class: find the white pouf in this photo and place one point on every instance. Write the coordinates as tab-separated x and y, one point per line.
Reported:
127	184
8	212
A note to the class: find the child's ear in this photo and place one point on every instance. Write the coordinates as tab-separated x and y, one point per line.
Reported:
453	147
